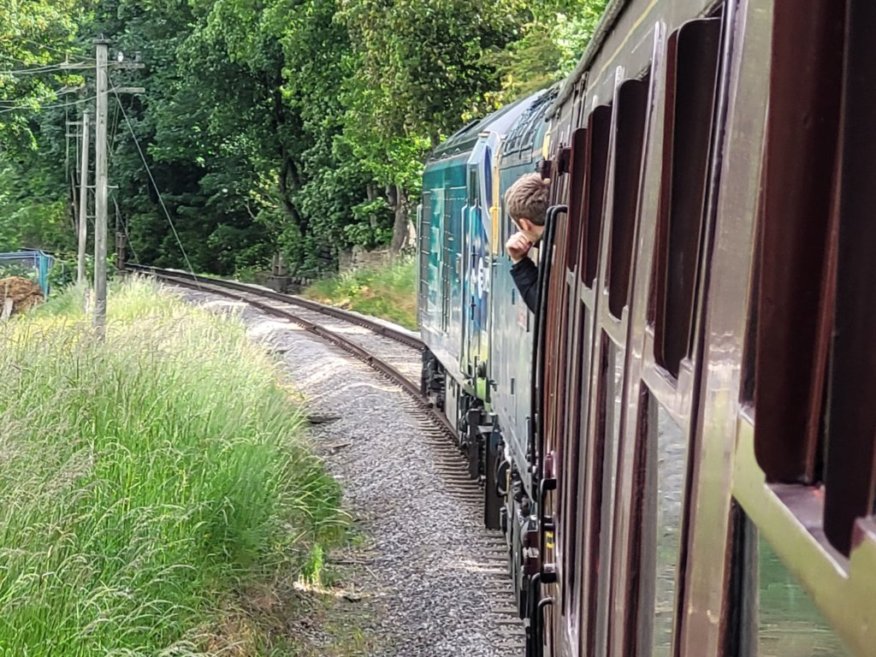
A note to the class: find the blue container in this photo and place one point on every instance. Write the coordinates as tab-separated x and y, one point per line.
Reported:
39	261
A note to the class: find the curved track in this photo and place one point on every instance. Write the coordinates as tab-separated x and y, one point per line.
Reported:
392	351
397	355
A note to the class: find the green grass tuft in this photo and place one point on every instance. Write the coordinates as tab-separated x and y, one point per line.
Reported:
145	481
388	292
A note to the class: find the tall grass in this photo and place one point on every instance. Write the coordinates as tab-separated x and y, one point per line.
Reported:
388	292
145	480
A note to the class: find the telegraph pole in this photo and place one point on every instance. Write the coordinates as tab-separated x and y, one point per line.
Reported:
83	205
101	184
100	190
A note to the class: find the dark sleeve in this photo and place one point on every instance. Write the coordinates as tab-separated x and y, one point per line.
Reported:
525	275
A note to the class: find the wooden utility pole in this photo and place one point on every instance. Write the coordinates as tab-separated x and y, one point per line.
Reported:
83	204
101	183
100	190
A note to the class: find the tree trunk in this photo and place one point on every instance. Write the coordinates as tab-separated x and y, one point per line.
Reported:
400	225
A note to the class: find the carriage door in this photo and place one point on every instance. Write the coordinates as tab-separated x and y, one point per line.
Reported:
607	263
656	443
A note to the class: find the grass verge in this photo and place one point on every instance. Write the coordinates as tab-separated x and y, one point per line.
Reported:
148	484
389	292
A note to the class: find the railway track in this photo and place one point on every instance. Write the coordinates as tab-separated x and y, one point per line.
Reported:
392	351
396	355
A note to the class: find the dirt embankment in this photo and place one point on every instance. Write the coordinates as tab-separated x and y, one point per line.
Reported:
18	295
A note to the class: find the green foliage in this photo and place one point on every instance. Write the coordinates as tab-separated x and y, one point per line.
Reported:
388	292
137	496
553	41
33	36
284	126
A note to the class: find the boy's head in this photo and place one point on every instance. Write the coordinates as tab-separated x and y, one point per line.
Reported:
526	202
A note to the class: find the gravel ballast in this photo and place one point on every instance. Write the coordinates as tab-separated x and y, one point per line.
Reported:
430	574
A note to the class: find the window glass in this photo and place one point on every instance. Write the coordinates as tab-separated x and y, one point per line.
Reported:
667	467
789	624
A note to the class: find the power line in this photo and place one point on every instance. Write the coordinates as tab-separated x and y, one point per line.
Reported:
54	49
124	224
40	108
39	70
152	179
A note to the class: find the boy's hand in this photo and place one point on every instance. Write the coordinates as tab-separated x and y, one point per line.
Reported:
517	247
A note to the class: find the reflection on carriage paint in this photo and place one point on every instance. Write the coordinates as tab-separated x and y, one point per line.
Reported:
436	227
667	464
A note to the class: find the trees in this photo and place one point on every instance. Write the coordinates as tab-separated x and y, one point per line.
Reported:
34	37
279	126
422	70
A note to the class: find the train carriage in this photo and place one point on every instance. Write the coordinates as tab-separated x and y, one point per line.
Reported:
687	427
671	522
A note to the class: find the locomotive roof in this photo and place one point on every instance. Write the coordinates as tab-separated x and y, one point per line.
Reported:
499	121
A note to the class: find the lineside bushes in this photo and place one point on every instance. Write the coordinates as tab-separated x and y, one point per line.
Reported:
148	482
388	292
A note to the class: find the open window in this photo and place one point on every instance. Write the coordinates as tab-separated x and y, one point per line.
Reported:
691	96
629	147
598	137
814	380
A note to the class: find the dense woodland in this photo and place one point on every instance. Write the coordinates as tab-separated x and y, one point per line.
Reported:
294	127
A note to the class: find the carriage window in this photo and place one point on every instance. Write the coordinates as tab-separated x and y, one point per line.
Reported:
663	507
598	134
632	114
850	461
691	82
605	474
576	419
791	350
816	289
578	170
775	616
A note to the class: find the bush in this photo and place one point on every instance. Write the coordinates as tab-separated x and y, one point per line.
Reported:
387	292
144	480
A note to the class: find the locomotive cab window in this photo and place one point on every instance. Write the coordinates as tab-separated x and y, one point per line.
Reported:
691	95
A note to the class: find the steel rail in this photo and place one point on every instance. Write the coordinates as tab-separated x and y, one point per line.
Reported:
206	284
337	313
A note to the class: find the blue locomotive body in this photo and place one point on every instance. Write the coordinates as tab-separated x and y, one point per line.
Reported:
457	245
513	324
477	329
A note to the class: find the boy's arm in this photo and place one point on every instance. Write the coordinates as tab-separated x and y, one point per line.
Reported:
525	275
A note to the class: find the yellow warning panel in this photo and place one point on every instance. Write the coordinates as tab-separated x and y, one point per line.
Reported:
494	217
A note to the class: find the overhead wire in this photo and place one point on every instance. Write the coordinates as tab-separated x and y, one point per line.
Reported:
54	49
38	70
152	180
112	134
39	108
124	225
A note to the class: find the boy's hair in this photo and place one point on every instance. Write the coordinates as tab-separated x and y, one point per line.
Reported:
527	198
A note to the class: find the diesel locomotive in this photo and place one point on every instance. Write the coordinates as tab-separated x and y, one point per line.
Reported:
680	443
